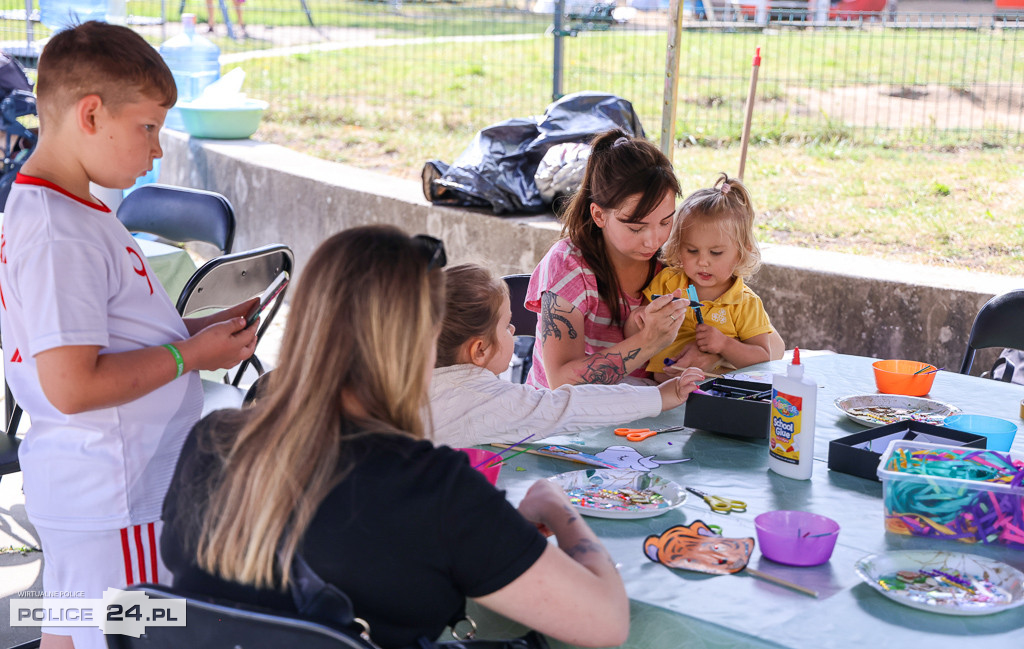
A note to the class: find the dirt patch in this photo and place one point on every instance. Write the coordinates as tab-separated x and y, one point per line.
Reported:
926	106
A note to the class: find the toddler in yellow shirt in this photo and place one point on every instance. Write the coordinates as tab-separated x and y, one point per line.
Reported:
712	247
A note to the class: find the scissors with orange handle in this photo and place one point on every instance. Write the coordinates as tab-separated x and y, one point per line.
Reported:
640	434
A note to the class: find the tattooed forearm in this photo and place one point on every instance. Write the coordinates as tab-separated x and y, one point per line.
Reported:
606	369
552	312
585	546
573	517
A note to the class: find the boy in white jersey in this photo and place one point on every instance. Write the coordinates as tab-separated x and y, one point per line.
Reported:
93	348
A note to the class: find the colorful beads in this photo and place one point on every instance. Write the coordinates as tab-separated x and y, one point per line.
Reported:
945	588
597	497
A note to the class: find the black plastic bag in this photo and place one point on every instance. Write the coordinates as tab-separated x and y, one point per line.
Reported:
497	169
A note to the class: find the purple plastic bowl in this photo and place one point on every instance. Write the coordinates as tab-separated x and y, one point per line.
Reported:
796	538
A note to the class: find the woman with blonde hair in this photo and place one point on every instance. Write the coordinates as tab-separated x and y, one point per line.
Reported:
330	469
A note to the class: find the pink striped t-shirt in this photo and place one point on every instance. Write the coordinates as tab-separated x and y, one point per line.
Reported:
564	272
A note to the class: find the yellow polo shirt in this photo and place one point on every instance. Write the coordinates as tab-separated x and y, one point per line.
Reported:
737	313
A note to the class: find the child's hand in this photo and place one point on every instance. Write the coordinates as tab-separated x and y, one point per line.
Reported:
675	390
692	357
221	345
710	340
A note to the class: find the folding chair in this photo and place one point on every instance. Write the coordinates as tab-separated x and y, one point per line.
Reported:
1000	323
257	388
525	322
212	623
180	214
229	279
8	437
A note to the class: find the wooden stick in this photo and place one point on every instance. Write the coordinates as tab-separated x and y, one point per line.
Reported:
781	582
750	112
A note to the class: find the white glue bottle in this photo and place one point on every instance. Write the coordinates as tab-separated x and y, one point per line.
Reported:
791	430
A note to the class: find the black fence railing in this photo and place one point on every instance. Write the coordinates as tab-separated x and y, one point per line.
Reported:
889	76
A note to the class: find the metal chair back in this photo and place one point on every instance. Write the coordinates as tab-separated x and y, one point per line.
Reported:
217	623
229	279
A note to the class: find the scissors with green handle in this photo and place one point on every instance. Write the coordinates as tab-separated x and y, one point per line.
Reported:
719	504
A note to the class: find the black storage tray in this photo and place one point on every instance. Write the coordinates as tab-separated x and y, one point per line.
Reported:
860	453
730	415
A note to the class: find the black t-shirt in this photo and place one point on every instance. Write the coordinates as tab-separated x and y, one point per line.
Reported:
408	534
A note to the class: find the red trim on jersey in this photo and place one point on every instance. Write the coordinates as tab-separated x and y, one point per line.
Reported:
126	551
23	179
16	357
141	554
152	552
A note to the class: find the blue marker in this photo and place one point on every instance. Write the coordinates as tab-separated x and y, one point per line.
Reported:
691	290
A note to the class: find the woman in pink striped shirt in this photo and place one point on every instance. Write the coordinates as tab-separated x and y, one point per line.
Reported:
591	280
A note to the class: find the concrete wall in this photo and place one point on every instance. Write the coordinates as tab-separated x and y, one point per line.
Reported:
817	300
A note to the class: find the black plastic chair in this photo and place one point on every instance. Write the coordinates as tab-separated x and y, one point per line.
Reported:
257	388
1000	323
229	279
213	623
8	437
525	322
9	441
180	214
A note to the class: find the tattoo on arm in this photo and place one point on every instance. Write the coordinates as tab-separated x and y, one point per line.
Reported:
608	368
573	517
584	546
552	311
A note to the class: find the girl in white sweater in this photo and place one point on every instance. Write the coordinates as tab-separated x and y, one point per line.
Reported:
470	405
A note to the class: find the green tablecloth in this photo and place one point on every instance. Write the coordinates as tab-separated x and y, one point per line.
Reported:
172	265
673	608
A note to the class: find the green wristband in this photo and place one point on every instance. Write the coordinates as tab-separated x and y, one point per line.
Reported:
177	359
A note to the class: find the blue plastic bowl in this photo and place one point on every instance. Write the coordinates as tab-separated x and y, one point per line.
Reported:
1000	432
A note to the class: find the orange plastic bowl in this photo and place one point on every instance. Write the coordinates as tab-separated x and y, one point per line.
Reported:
897	377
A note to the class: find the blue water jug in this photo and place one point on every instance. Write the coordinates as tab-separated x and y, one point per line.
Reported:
195	63
61	14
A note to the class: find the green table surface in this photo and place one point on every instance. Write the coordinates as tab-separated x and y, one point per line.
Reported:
172	265
675	608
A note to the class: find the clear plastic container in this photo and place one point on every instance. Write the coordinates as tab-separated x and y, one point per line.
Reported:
963	498
61	14
195	63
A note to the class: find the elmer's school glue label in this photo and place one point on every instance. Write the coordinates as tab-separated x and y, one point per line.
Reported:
791	431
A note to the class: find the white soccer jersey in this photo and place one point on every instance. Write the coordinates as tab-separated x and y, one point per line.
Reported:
71	274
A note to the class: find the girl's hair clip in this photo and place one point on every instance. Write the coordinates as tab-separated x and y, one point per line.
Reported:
725	188
622	140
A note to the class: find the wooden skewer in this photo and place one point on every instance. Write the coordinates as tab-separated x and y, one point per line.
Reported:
782	582
745	139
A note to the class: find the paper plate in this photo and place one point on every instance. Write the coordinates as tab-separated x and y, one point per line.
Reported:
880	409
953	583
617	493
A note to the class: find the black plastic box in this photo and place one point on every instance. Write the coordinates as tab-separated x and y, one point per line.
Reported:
860	453
731	415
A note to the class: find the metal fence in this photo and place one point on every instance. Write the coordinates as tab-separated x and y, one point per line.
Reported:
895	77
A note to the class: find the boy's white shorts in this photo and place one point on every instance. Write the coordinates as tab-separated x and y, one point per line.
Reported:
85	564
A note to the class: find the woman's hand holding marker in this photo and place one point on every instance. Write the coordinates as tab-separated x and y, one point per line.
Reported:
660	320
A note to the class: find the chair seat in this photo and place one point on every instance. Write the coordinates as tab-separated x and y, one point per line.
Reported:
218	396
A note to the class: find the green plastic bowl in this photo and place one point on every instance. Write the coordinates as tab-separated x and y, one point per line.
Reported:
229	123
